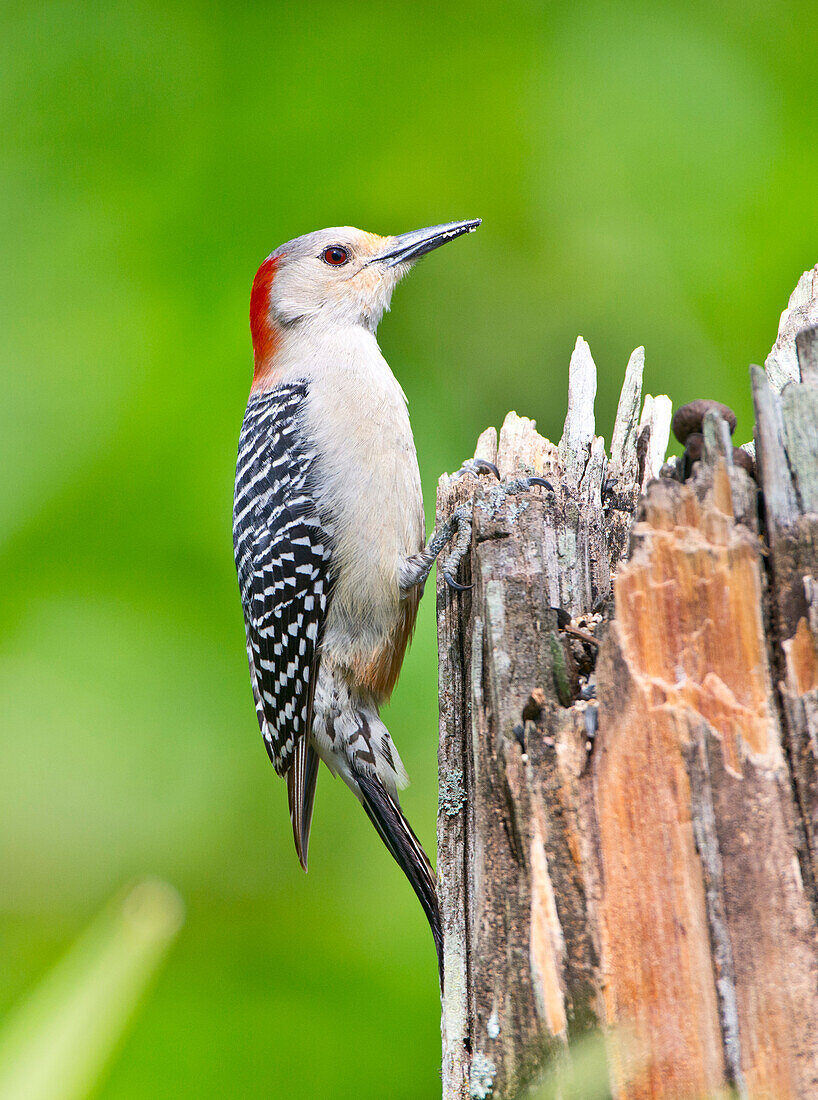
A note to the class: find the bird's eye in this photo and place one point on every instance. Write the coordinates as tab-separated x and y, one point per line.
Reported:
335	255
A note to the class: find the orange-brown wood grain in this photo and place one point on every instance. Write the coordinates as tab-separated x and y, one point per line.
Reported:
658	980
702	912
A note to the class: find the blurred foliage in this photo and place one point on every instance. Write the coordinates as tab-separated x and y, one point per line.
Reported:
646	174
57	1043
579	1074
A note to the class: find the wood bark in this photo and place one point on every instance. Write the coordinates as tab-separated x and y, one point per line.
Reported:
628	812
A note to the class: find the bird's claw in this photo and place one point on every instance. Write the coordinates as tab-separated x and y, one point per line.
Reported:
452	583
478	466
525	483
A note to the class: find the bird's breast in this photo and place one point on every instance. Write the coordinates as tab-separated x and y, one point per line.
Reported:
367	483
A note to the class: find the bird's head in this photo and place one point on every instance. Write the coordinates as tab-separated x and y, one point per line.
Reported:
331	279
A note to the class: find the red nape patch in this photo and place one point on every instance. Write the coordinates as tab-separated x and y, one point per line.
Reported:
264	332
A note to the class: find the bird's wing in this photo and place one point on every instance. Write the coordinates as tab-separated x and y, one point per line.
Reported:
283	554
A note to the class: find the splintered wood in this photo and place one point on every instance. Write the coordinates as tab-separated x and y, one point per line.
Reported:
628	825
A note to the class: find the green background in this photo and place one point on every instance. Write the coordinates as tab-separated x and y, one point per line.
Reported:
645	174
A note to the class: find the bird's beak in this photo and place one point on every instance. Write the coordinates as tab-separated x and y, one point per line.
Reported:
409	247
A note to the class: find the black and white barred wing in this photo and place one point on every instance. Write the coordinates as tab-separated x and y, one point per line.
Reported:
283	561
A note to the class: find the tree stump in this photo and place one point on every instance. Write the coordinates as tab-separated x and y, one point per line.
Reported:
628	812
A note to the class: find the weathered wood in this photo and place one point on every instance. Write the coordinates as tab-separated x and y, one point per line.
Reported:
628	826
520	972
787	455
802	312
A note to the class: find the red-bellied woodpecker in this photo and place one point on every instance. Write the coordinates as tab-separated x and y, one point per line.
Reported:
328	525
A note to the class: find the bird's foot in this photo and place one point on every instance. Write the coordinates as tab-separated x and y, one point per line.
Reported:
416	569
458	528
461	533
477	466
462	530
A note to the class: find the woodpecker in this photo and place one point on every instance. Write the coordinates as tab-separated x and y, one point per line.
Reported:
328	526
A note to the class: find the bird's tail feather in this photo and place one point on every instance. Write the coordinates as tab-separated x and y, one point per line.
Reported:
396	833
301	779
